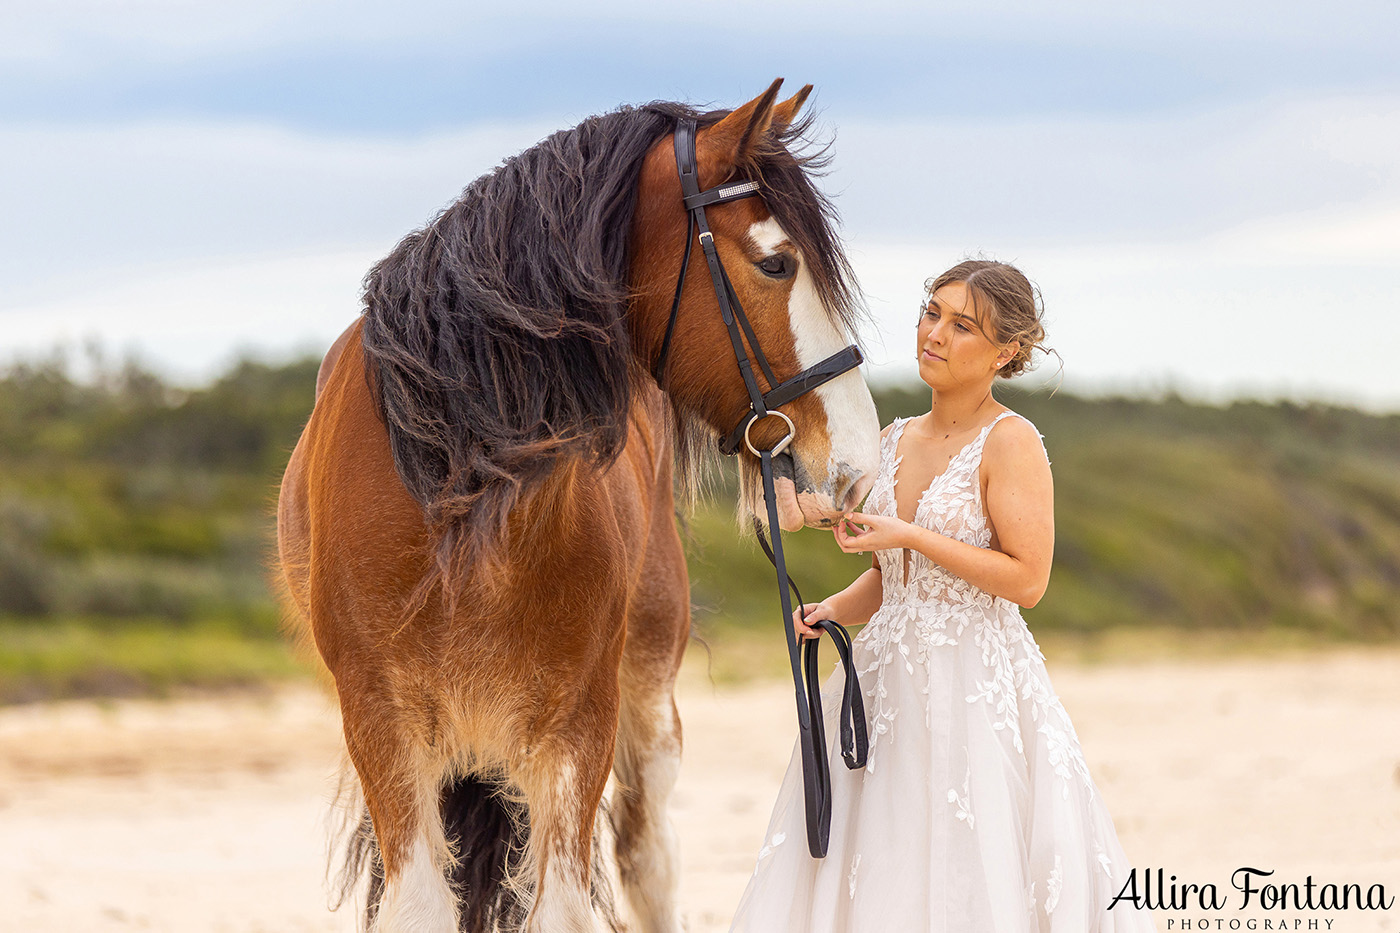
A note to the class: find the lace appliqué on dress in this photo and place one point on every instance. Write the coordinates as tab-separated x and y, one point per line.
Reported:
933	609
963	801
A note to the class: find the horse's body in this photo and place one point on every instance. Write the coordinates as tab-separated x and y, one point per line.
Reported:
543	660
536	701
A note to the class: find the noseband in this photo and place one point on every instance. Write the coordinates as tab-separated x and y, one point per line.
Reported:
816	775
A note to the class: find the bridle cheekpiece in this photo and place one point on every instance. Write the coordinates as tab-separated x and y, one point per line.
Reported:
816	776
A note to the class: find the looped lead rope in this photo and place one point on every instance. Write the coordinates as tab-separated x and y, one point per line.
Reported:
855	745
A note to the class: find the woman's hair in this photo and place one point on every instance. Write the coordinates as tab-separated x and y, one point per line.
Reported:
1008	307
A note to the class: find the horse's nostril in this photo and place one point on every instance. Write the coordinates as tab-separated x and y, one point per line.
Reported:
855	491
843	494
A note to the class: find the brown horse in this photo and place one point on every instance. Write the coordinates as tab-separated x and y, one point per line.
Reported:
477	528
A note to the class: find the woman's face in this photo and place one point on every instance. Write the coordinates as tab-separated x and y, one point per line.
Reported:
953	351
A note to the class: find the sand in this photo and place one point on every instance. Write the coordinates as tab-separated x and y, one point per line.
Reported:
210	813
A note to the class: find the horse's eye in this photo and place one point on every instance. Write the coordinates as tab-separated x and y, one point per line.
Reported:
778	266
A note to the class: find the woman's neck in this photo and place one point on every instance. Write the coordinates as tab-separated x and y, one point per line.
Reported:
954	412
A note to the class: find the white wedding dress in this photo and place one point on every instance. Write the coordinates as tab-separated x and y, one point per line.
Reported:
976	812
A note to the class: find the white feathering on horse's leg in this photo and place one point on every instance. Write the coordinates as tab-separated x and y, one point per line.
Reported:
419	899
562	903
648	763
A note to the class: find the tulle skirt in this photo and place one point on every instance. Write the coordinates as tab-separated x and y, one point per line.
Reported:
975	814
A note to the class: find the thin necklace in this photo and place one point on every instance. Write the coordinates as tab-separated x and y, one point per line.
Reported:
974	412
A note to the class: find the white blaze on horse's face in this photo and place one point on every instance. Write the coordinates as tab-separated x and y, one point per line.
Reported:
819	492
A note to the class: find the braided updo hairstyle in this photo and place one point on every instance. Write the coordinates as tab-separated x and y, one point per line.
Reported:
1008	307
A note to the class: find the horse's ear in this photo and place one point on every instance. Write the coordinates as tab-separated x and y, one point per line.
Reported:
732	142
786	112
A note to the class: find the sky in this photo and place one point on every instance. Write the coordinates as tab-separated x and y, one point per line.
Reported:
1207	194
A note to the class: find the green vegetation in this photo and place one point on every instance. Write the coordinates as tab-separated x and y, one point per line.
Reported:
135	519
134	523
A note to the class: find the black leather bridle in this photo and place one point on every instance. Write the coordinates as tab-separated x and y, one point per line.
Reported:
816	775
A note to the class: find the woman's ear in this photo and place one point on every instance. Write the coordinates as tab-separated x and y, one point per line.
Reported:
1008	353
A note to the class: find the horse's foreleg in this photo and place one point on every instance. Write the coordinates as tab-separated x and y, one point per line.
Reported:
647	763
401	783
563	783
648	755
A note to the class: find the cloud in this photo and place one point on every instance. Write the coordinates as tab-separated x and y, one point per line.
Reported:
189	28
85	204
364	67
1209	246
1169	176
191	320
1218	318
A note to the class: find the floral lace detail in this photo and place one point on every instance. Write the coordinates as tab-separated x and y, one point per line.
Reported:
1066	754
777	840
1104	861
1053	885
934	609
962	801
1000	687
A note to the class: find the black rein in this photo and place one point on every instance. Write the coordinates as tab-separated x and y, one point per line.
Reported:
816	773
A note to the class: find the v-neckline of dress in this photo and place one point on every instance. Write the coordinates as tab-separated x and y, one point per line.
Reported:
923	493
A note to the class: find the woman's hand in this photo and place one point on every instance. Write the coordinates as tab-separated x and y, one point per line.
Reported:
811	611
858	532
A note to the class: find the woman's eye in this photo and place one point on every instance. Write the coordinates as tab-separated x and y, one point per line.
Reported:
778	266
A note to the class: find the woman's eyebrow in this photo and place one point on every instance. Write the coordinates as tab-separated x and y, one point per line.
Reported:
935	305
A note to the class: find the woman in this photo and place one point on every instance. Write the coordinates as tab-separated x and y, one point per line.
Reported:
976	812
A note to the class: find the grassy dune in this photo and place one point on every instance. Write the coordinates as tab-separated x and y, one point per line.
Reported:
135	520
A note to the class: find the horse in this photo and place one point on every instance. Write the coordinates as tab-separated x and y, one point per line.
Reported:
477	529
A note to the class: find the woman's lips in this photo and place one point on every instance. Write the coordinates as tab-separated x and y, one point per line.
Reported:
934	356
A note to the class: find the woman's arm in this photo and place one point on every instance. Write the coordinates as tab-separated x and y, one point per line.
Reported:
852	606
1020	504
856	603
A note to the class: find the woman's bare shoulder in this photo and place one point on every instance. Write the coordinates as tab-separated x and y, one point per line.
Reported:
1015	443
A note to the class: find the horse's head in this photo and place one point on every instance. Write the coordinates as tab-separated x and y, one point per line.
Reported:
788	271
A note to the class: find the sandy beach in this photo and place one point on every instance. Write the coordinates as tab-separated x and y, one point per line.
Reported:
210	813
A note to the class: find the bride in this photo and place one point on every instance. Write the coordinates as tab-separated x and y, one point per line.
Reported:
976	812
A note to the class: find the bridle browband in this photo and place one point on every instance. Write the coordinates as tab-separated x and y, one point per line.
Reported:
816	775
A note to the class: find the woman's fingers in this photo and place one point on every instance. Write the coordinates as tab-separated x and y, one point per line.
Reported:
848	541
810	611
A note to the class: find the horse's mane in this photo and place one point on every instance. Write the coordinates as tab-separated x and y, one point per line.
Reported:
495	336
